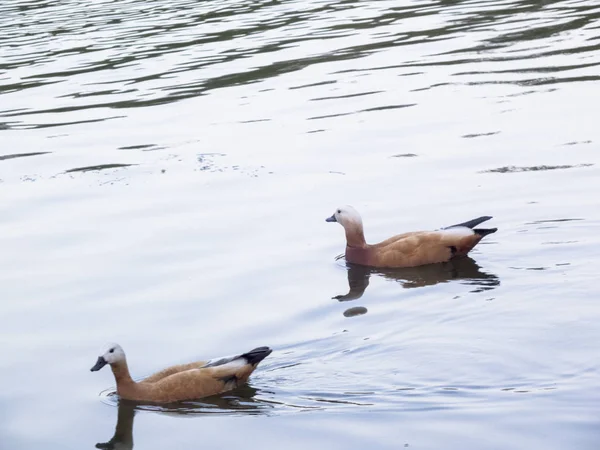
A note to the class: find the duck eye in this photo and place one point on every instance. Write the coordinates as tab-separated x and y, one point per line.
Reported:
339	211
112	350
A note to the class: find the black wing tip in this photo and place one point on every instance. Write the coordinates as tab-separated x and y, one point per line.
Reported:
481	219
472	223
257	355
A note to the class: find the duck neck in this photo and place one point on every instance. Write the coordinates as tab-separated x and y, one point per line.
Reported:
355	236
122	376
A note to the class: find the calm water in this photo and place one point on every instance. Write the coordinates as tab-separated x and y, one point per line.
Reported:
165	171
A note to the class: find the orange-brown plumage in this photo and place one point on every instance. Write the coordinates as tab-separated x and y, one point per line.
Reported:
182	382
408	249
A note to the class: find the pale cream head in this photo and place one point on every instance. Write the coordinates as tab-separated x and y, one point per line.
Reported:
113	355
346	216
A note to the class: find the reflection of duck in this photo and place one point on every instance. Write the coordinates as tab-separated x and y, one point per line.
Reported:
123	437
239	400
458	269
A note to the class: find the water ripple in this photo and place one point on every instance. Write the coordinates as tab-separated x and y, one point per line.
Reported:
136	54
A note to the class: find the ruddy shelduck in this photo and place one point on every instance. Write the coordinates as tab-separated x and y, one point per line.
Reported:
182	382
411	249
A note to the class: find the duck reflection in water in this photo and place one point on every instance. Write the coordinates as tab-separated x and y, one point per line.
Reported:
465	269
123	437
240	400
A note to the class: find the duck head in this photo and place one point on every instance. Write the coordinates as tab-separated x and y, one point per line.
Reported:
113	355
350	219
346	216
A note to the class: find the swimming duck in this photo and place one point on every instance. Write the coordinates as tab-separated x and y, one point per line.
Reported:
184	381
411	249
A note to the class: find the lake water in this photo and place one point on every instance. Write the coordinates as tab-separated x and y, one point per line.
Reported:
166	168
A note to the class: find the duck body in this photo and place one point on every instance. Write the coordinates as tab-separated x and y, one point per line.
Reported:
410	249
182	382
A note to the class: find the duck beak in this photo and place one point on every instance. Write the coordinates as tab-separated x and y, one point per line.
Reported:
99	364
331	219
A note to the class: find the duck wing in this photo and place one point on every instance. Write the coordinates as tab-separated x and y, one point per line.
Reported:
213	377
172	370
427	247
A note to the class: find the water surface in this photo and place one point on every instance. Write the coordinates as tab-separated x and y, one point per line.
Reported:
166	168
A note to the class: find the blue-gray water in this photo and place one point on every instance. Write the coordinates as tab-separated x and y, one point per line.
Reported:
165	171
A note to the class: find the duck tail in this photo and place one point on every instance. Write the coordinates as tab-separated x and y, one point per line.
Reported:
472	223
256	355
484	231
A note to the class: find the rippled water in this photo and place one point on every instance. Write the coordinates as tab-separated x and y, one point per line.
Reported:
166	168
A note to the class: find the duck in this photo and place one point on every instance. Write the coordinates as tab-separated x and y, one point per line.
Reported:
412	249
181	382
